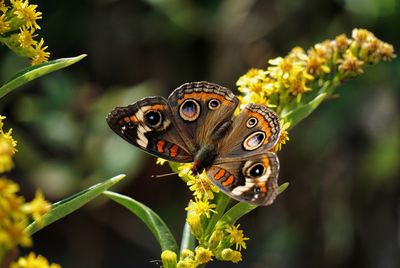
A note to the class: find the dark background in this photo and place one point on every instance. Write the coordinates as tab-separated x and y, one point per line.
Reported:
342	208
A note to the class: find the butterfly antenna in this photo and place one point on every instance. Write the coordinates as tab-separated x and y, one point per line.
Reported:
163	175
204	188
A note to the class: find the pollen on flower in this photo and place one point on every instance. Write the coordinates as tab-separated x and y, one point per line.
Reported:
33	261
4	24
25	37
201	186
237	236
23	10
201	207
203	255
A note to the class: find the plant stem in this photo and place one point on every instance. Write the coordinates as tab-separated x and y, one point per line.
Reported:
188	240
222	203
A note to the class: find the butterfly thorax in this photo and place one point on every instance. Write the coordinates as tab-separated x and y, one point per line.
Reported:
204	158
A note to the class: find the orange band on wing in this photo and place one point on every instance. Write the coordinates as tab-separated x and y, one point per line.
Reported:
160	146
219	174
173	150
229	181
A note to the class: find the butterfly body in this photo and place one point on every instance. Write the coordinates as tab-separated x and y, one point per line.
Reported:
196	124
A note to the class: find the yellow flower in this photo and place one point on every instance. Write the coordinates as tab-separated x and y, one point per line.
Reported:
25	37
252	81
4	24
14	233
7	148
231	255
187	253
298	85
185	171
168	258
187	263
203	255
23	10
283	136
317	65
3	7
194	222
33	261
237	236
201	207
7	188
201	186
160	161
342	42
37	207
362	35
350	65
40	55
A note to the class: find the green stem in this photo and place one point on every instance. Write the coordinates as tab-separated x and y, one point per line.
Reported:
222	203
188	240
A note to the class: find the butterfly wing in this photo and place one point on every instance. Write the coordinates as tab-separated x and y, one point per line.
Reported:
202	112
253	179
247	169
256	129
149	124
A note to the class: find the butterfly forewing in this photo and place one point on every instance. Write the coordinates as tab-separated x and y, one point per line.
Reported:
200	109
149	125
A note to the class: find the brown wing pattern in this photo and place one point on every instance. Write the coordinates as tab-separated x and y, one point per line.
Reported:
149	125
199	115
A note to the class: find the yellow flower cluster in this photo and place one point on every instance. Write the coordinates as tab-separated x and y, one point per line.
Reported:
15	213
33	261
218	245
18	24
282	85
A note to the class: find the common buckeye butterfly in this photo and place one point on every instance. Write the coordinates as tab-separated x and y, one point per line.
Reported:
196	124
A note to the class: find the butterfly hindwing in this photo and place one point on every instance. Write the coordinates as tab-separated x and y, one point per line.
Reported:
149	124
250	179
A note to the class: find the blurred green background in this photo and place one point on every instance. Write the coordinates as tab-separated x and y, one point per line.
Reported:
342	208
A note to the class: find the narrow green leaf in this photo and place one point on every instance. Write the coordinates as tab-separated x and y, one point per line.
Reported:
242	208
235	213
156	225
72	203
302	111
283	187
33	72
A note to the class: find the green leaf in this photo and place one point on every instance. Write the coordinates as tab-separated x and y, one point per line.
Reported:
72	203
33	72
242	208
303	110
156	225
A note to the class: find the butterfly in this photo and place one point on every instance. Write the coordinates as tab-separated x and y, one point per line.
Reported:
197	124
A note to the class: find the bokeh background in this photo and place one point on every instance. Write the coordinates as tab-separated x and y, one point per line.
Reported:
342	208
